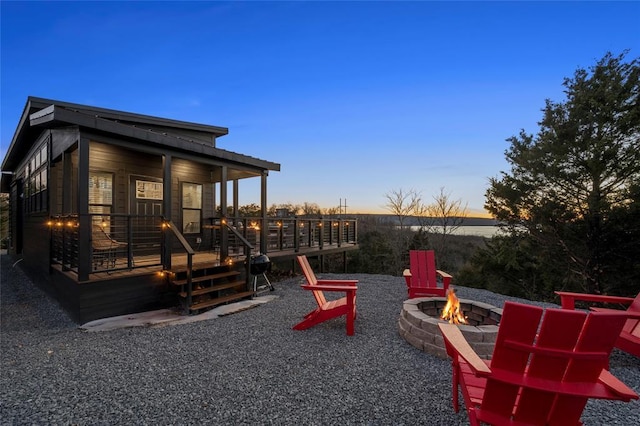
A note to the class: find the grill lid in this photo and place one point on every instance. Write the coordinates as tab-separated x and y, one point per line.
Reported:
260	264
261	258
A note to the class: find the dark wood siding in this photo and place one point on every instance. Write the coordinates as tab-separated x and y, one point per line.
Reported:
123	296
55	187
122	163
187	171
62	140
36	252
74	182
15	220
102	299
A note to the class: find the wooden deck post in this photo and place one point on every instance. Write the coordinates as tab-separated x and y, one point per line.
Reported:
264	230
84	220
166	207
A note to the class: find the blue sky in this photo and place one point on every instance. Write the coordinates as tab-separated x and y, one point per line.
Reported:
353	99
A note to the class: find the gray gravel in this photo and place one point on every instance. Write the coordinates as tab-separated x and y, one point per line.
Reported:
245	368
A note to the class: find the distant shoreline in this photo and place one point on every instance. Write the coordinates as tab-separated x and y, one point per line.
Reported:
485	231
415	221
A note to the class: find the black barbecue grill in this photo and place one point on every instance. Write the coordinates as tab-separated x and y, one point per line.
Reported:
259	265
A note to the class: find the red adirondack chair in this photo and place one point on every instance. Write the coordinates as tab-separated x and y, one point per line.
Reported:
421	278
629	339
328	309
541	373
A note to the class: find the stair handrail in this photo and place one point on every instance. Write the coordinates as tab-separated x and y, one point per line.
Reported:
168	224
249	247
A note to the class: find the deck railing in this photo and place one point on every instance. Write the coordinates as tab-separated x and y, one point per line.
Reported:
294	234
116	241
138	242
169	227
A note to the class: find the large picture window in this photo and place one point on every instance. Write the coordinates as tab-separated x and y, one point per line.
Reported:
191	208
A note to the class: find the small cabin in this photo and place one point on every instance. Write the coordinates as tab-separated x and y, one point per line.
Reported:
114	212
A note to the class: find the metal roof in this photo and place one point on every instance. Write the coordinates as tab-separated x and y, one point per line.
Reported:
42	113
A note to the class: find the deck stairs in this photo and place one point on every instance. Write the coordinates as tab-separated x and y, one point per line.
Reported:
211	286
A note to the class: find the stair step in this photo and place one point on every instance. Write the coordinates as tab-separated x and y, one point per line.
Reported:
207	277
220	300
212	288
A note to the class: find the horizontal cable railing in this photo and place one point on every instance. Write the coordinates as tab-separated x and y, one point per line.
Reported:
288	233
124	242
116	242
64	241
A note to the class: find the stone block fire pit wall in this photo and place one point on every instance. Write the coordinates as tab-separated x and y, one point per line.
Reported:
418	325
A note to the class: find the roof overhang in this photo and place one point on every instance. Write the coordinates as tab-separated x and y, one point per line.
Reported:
42	114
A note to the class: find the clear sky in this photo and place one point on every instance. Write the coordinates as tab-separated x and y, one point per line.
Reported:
353	99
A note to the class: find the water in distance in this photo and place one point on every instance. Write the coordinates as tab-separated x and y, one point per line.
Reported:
478	231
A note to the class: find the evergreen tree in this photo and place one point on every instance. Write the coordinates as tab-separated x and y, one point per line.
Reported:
572	191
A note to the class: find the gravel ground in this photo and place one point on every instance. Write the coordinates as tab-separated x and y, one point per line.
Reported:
246	368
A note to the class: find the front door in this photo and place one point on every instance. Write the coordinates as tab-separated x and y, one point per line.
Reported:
146	209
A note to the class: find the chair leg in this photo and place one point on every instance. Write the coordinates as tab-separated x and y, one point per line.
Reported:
309	320
98	260
351	316
454	386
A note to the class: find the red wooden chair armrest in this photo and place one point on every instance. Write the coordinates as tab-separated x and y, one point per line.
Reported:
567	299
627	313
407	276
446	278
329	287
338	282
459	344
443	274
616	386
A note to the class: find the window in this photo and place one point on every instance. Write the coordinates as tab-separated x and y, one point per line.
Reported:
101	196
36	181
191	208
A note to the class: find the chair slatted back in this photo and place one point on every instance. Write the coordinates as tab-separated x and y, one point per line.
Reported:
423	268
311	279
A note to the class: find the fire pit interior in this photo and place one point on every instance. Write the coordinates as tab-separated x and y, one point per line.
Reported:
418	325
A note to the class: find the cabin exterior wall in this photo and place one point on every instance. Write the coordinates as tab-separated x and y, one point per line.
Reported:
123	164
188	172
36	254
59	148
100	299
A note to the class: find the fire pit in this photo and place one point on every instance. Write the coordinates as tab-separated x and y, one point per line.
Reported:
418	324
